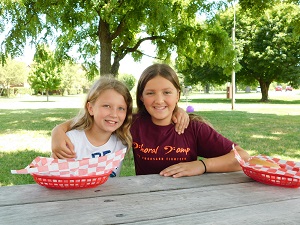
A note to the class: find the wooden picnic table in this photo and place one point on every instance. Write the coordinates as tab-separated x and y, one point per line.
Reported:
212	198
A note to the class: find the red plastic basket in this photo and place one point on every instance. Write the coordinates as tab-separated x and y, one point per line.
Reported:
58	182
271	178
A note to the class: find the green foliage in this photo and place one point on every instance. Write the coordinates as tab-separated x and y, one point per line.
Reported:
73	79
210	50
12	73
46	72
257	6
266	49
204	74
119	27
128	80
270	47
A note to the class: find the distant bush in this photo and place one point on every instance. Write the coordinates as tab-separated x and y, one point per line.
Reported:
24	91
16	91
128	80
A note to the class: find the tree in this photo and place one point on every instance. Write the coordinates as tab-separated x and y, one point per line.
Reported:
73	79
111	29
266	49
270	49
208	58
12	73
45	74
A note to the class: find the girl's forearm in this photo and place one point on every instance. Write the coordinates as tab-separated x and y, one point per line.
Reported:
65	126
226	163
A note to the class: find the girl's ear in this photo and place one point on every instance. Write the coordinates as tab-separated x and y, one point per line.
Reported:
141	98
89	107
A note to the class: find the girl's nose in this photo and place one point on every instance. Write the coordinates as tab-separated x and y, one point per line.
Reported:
113	112
159	98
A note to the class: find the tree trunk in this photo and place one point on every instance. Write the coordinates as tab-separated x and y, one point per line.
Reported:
105	48
47	93
206	88
264	91
116	65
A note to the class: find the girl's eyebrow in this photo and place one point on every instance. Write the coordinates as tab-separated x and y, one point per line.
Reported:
152	89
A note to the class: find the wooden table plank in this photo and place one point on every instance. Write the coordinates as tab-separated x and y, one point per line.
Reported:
226	201
24	194
286	212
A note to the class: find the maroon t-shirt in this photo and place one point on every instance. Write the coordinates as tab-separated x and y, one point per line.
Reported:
158	147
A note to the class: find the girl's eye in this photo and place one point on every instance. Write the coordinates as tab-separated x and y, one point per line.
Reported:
168	92
149	93
106	106
122	109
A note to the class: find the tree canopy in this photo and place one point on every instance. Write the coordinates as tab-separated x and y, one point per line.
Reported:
103	32
266	49
270	47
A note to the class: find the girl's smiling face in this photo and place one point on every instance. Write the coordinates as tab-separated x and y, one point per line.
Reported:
160	98
109	111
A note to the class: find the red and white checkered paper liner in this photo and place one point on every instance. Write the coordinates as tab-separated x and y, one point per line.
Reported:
287	168
72	167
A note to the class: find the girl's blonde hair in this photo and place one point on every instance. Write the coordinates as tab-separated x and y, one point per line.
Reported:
85	121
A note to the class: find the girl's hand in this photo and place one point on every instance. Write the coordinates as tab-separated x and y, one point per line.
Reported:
184	169
61	145
181	120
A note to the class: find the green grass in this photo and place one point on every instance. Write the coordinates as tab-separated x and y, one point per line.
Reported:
25	133
17	160
268	134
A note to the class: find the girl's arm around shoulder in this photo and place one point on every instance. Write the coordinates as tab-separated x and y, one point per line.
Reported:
61	144
181	120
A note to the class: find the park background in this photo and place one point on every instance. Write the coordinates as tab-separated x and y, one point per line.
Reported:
214	46
260	128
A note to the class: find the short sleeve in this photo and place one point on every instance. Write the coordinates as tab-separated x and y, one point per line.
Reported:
210	143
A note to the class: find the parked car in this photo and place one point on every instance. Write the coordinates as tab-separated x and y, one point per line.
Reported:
288	88
278	88
258	89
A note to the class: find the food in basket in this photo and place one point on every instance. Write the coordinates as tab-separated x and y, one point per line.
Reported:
257	161
271	170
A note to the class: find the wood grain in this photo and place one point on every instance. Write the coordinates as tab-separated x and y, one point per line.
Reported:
220	198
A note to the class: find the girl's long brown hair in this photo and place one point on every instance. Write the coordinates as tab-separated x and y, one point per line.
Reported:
166	72
149	73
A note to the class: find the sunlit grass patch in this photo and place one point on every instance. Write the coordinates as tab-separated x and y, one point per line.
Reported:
22	140
266	137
